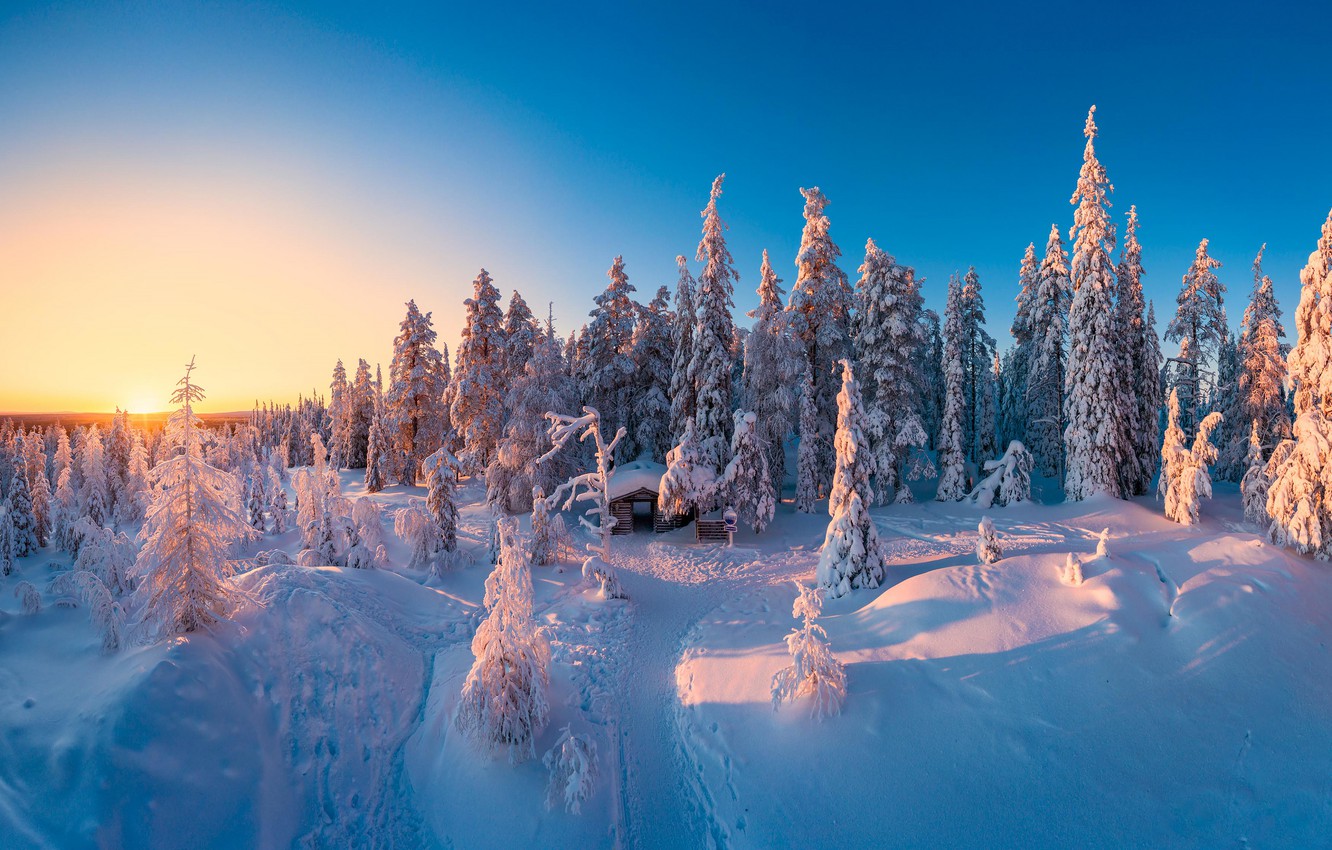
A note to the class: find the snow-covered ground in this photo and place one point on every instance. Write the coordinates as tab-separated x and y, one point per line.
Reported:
1178	698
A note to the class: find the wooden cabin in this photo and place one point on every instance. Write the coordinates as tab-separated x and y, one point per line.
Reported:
632	492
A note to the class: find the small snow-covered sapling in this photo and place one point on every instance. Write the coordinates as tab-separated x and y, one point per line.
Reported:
987	544
1072	572
572	763
816	672
30	599
1103	544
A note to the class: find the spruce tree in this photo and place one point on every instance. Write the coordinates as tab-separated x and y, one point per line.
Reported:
650	414
711	363
852	556
1140	369
520	334
1092	437
362	413
747	479
1017	360
952	459
683	396
607	370
807	449
378	448
820	310
889	343
977	367
19	501
94	493
1049	358
477	409
1299	501
772	373
1262	366
415	410
1200	327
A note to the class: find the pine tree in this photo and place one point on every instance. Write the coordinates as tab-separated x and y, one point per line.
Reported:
1049	358
182	568
652	352
747	477
1092	437
415	411
684	398
820	310
1199	326
852	556
952	460
477	411
772	370
1298	500
711	363
889	342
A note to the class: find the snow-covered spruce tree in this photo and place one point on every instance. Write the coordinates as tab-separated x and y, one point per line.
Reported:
1139	382
363	397
688	479
543	385
564	428
1262	364
1009	478
107	554
441	473
711	363
1049	358
747	478
987	543
1199	326
932	381
477	411
572	764
19	501
40	490
1172	446
772	372
815	671
520	335
415	412
682	393
256	500
137	492
182	569
952	461
339	418
503	705
1091	396
820	311
1189	480
889	341
1225	399
807	448
7	565
852	556
977	363
652	352
1255	484
277	501
1017	360
607	369
1299	501
378	449
94	492
119	443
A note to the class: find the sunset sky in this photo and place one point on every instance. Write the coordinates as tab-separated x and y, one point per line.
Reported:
263	186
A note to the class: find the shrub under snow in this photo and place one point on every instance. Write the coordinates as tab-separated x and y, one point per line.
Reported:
572	763
1009	478
29	598
816	672
987	544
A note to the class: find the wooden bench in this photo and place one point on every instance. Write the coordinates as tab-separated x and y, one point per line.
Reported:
711	531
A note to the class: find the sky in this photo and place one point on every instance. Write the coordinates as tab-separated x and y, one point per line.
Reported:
263	186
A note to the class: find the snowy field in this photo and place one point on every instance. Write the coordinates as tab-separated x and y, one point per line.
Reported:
1178	698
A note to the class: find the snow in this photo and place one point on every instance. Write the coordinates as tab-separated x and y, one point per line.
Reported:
1176	698
633	476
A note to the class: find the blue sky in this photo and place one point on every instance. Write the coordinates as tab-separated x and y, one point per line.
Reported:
415	146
